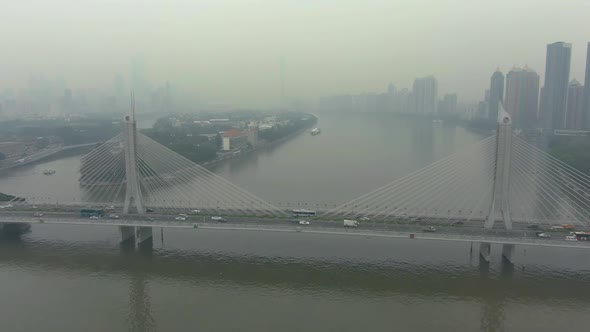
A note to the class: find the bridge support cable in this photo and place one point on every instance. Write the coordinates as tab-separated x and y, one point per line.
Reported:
425	197
199	185
528	202
184	175
547	193
397	196
477	194
577	187
455	181
387	194
557	191
568	198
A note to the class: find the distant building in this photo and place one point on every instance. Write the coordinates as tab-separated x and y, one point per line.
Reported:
587	90
496	94
252	134
425	92
554	96
234	139
448	105
522	97
574	116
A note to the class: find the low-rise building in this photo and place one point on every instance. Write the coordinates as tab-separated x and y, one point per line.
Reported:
234	139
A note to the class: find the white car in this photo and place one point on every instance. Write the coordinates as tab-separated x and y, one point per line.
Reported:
365	218
303	222
112	207
113	216
196	211
180	218
183	215
94	217
38	215
544	235
217	218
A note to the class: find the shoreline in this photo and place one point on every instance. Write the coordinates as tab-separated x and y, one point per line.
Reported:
217	162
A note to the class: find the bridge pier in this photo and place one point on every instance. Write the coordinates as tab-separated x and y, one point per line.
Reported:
127	233
508	252
142	234
485	250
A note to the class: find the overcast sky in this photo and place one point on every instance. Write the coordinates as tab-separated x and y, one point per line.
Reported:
229	50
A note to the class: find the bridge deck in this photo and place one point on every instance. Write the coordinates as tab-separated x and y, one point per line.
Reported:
467	233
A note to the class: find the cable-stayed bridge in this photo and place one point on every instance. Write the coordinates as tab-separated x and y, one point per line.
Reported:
500	190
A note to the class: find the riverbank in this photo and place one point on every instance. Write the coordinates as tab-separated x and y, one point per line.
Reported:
261	146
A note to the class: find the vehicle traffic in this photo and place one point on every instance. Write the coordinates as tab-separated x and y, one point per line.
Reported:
303	222
351	223
89	212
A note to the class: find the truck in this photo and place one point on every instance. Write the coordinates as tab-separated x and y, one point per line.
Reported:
351	223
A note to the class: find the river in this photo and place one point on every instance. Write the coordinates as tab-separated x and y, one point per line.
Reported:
71	278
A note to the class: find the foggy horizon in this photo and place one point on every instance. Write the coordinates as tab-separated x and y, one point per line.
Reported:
229	51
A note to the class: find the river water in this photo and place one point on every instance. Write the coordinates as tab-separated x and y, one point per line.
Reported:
75	278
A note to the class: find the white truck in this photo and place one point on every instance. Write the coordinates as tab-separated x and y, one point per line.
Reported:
351	223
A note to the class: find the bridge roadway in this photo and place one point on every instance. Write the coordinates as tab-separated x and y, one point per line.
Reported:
39	155
469	232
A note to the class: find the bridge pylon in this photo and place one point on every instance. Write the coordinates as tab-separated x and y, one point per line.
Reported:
500	202
133	194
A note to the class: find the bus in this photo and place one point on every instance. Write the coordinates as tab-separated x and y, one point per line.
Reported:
89	212
581	236
303	213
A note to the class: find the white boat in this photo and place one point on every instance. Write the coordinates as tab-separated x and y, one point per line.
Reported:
315	131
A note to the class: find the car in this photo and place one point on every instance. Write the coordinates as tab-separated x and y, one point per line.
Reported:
180	218
534	226
183	215
113	216
38	215
149	210
430	229
94	217
364	218
196	211
457	223
109	208
303	222
217	218
150	219
543	235
34	206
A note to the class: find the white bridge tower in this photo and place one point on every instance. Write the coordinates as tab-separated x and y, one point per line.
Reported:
133	190
500	203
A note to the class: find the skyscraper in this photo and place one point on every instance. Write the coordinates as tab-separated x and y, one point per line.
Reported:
574	116
496	93
448	104
522	96
586	110
557	75
425	92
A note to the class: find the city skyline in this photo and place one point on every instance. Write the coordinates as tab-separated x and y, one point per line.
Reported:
193	46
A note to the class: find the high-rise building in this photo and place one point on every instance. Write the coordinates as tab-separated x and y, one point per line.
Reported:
425	92
557	75
448	105
574	116
496	93
587	90
522	97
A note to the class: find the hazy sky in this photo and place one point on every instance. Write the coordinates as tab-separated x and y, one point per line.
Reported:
229	50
